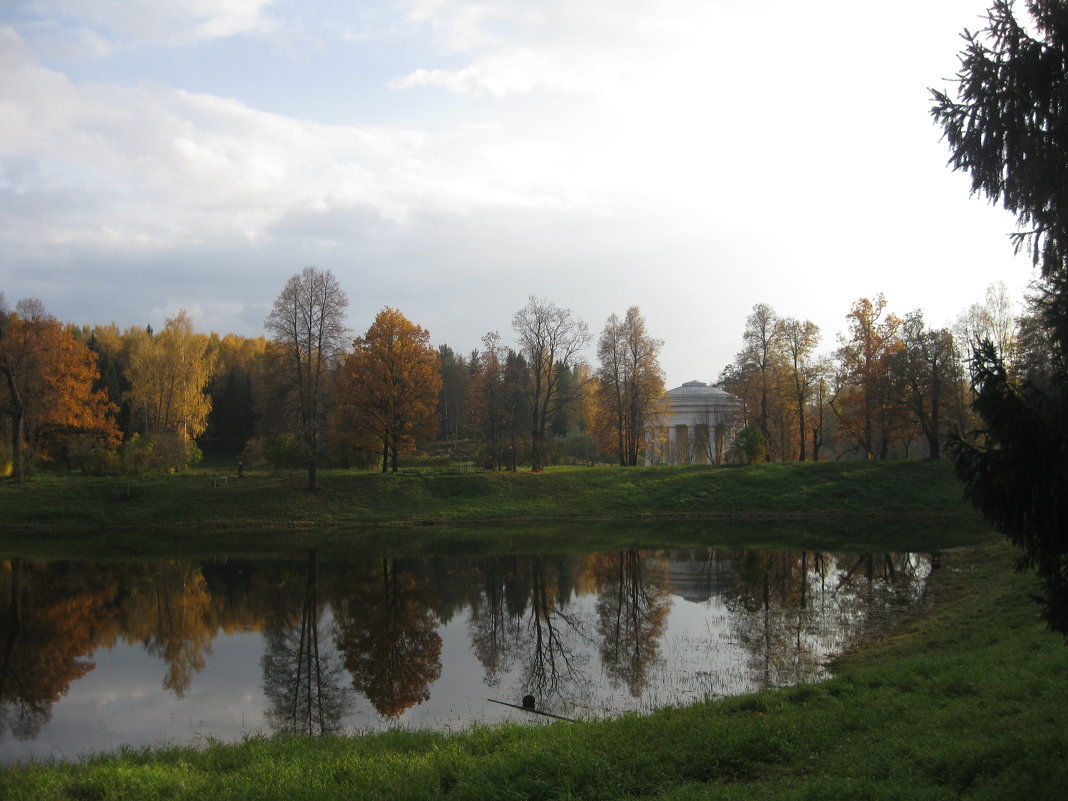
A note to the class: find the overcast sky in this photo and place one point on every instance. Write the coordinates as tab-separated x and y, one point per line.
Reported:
452	158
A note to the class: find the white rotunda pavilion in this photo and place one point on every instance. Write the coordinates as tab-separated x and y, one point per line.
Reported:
695	426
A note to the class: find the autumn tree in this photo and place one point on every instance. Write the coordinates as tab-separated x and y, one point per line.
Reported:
1008	128
819	412
551	340
169	374
761	338
755	376
630	381
869	409
48	390
307	324
799	340
390	384
112	362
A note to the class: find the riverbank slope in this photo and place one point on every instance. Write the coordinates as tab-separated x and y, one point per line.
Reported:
906	490
966	701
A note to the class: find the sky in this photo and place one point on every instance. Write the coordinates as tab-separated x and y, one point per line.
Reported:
452	159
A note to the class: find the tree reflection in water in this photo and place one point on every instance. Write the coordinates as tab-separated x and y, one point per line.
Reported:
792	610
553	662
302	676
386	631
46	641
573	630
632	611
167	610
495	623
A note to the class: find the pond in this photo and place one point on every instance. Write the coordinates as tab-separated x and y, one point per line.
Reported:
97	655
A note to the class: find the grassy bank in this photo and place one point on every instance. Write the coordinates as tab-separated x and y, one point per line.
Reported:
891	490
965	702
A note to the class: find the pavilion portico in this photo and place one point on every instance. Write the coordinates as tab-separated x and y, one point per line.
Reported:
695	426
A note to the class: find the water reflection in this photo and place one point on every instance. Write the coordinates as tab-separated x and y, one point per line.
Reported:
632	607
46	637
387	632
367	644
303	678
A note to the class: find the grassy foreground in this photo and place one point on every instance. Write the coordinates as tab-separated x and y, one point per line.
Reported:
919	491
967	701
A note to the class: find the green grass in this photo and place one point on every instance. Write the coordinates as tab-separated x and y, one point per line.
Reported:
849	506
893	490
966	701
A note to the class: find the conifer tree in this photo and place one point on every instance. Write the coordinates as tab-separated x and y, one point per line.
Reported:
1008	128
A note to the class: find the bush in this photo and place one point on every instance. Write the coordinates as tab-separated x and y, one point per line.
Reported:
750	445
160	452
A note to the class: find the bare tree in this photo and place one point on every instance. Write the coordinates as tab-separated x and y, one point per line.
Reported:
926	364
551	339
761	349
631	380
307	322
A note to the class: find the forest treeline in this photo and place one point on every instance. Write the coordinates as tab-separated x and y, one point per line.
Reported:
310	392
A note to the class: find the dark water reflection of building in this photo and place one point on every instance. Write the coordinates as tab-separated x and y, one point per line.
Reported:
320	645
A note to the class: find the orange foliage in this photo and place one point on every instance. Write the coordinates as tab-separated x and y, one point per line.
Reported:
389	387
49	389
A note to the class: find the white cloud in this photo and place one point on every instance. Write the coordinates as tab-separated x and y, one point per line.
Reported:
150	166
691	157
163	21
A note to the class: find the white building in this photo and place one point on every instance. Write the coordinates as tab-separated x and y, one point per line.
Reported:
695	426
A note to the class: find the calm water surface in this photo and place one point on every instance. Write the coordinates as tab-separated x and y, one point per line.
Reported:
94	656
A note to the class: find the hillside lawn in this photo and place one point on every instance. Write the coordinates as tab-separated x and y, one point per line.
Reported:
964	699
214	496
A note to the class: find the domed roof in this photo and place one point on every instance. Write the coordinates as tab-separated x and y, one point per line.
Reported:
698	398
697	389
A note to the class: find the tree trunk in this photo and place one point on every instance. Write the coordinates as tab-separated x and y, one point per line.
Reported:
537	457
19	469
311	475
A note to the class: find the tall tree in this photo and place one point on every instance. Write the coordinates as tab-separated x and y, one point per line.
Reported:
452	407
390	385
232	421
487	403
867	409
48	387
551	339
308	325
926	365
169	374
799	340
630	381
993	319
1008	128
761	348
